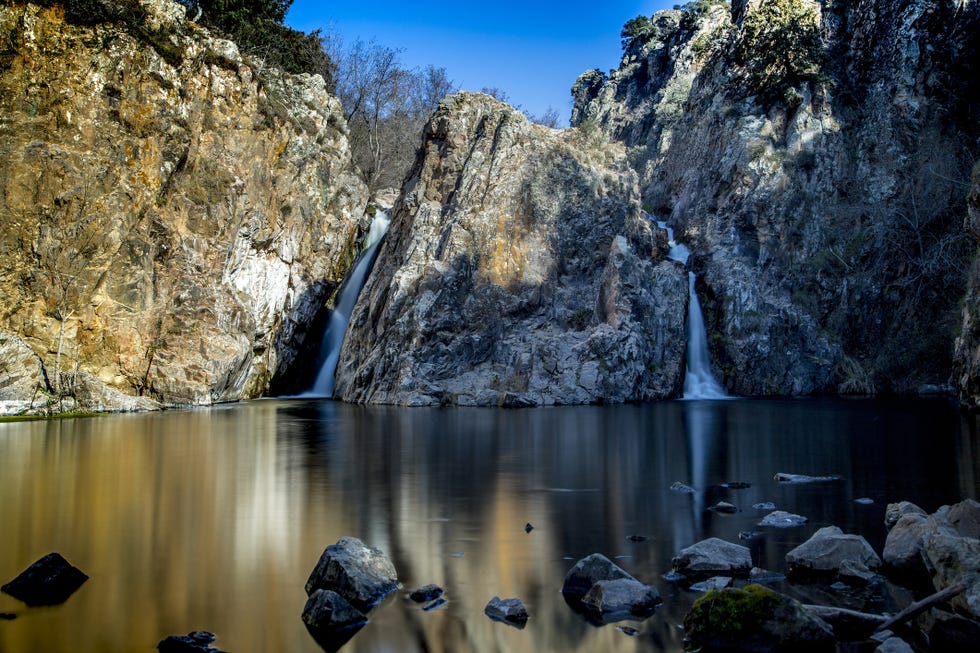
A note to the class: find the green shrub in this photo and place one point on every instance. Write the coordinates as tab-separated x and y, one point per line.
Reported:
777	49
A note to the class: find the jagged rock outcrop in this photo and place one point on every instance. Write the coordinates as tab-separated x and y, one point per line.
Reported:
518	270
967	356
172	214
816	157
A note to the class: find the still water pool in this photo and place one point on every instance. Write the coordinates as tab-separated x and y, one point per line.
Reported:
212	519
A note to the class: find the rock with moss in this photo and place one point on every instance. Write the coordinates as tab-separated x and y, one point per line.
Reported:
754	619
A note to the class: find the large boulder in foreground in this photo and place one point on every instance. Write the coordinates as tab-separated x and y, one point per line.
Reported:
713	557
828	549
952	554
754	619
49	581
360	574
518	270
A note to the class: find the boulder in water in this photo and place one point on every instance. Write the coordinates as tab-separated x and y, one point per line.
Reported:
724	507
361	574
827	550
510	611
713	583
783	477
624	598
587	572
713	557
677	486
49	581
427	593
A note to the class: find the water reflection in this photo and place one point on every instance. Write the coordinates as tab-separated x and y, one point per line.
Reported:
213	519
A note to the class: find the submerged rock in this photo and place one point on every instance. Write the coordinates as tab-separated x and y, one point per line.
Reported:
724	507
510	611
783	519
754	619
677	486
360	574
802	478
198	641
828	549
518	270
49	581
713	583
427	593
713	556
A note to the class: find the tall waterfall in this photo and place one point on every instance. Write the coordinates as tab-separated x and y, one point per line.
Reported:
699	382
333	338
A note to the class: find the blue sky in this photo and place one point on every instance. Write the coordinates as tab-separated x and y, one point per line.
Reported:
533	51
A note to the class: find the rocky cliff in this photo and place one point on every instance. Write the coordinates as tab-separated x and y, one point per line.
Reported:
967	360
172	215
817	158
518	270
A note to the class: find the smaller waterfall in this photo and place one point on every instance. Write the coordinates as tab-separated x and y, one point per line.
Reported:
333	338
699	382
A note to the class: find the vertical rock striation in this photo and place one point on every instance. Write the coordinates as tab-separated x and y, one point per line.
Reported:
967	370
172	214
816	156
518	270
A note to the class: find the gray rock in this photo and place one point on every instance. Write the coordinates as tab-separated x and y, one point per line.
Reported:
856	574
828	549
677	486
951	559
713	556
965	518
783	477
587	572
895	511
427	593
903	546
783	519
49	581
713	583
724	507
626	596
894	645
22	383
362	575
759	575
765	505
509	611
326	610
754	619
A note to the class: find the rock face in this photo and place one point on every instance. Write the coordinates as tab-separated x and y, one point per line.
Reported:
518	270
360	574
966	373
754	619
816	158
172	214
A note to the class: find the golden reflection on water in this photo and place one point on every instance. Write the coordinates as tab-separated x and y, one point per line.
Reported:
212	519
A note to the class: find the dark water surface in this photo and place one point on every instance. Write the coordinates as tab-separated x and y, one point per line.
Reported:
213	519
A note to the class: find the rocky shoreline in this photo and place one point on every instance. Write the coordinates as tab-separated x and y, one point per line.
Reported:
934	557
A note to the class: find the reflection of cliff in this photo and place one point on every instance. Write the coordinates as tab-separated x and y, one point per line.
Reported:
213	519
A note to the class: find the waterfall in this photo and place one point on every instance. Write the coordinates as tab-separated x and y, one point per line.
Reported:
333	338
699	382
